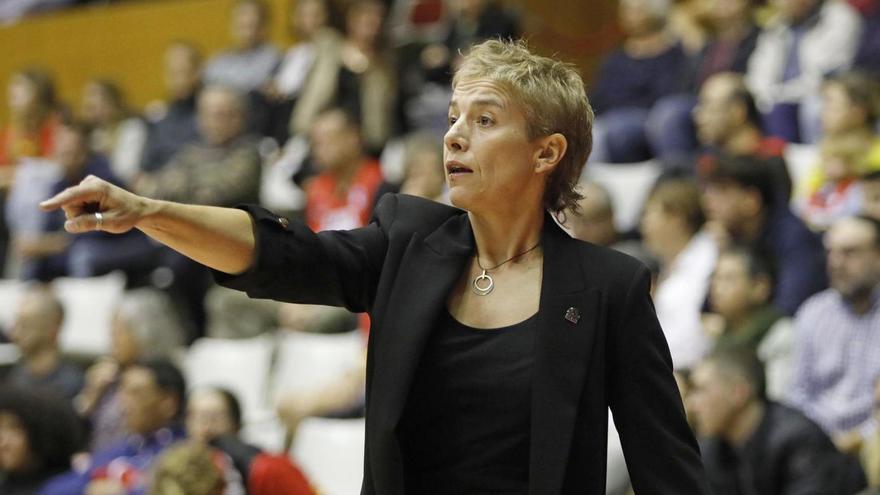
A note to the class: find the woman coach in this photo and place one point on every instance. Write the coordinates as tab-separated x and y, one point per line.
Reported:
497	341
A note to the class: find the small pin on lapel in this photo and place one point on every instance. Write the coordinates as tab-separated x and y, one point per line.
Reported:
573	314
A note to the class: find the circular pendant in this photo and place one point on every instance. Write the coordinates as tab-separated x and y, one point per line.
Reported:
487	284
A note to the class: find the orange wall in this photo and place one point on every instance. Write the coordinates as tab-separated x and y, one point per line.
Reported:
125	41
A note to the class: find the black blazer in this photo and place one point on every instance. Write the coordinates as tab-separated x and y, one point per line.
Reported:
401	268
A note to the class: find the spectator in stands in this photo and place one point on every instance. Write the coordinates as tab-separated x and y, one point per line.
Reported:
595	220
214	417
742	204
223	168
728	122
48	251
173	125
851	103
672	230
341	196
741	294
632	79
834	191
251	60
152	394
143	328
422	169
754	445
38	436
33	121
116	133
870	452
734	35
188	468
837	344
316	45
475	21
871	194
35	330
360	79
806	41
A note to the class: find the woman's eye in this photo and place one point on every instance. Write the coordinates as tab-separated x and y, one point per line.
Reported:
452	121
484	121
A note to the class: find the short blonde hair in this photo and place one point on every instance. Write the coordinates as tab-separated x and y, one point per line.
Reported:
553	98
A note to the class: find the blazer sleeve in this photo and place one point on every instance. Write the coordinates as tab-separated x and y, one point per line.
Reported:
661	452
333	268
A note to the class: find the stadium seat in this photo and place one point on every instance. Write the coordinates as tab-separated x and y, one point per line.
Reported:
331	454
629	185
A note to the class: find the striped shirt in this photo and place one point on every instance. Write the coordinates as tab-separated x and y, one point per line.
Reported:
837	362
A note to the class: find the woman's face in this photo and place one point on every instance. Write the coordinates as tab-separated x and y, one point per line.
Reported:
21	95
97	107
659	228
15	448
731	287
489	159
207	417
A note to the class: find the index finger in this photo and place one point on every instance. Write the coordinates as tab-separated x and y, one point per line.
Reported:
82	193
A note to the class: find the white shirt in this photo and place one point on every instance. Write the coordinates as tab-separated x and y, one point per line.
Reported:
681	292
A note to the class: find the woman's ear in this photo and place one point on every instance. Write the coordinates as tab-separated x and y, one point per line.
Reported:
552	149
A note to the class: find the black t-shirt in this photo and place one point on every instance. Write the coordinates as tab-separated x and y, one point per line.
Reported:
465	428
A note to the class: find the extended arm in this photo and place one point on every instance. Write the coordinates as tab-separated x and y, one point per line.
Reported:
221	238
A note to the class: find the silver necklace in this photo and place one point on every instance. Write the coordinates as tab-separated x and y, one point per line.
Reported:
483	283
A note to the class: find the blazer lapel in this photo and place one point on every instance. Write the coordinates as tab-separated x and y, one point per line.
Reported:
428	270
563	346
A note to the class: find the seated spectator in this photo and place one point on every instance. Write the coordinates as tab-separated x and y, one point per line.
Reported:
807	40
837	344
48	251
732	38
753	445
594	221
834	191
728	122
251	60
341	196
740	293
35	331
143	328
734	35
38	436
851	102
188	468
742	204
173	125
672	230
360	79
316	45
632	79
214	417
116	133
422	169
871	194
33	121
223	168
152	394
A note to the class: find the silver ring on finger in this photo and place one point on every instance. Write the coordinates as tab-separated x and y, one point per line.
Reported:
99	220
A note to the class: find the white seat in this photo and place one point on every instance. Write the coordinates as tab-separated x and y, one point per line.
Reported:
240	365
308	361
628	185
89	306
331	453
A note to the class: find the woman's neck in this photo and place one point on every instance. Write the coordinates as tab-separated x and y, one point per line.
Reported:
504	235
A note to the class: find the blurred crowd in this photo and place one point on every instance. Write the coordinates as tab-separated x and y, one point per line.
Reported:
767	272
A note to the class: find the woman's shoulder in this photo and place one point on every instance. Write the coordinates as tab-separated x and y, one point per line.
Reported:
412	213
